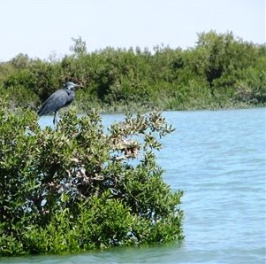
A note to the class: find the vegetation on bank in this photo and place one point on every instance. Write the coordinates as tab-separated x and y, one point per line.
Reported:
79	187
220	71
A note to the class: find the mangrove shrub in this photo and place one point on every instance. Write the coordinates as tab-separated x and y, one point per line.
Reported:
220	71
80	186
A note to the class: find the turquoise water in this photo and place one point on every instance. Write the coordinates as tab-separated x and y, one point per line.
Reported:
218	159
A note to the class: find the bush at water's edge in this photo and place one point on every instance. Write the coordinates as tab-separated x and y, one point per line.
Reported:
221	71
77	188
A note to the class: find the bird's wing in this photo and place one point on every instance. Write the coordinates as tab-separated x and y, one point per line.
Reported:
56	101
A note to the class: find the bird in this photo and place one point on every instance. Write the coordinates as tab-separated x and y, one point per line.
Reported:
60	98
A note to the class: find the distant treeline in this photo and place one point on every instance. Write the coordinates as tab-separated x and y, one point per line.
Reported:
220	71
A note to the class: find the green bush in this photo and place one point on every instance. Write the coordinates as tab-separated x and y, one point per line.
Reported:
220	71
79	187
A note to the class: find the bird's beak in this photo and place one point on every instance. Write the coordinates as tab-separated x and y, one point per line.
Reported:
79	86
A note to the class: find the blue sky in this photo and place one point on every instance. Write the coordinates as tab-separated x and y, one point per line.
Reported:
41	28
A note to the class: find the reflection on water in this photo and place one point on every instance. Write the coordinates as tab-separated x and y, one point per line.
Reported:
218	159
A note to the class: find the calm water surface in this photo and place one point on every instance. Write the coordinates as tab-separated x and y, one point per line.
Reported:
218	159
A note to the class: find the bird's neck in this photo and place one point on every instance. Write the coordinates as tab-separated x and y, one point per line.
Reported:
69	91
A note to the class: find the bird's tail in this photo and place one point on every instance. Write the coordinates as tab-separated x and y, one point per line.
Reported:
42	111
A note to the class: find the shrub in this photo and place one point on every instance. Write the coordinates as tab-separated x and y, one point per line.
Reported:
220	71
78	187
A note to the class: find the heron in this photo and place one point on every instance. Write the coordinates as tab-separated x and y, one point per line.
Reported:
60	98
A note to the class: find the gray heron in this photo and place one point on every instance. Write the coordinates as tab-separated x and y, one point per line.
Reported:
59	99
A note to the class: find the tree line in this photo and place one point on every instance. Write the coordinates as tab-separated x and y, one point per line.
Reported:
220	71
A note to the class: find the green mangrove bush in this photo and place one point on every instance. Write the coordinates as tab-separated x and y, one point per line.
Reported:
79	186
221	71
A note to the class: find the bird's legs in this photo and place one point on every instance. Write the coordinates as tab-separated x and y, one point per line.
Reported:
55	115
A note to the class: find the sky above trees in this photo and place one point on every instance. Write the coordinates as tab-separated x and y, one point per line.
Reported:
45	28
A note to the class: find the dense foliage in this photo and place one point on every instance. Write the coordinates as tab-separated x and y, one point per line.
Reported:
220	71
79	186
